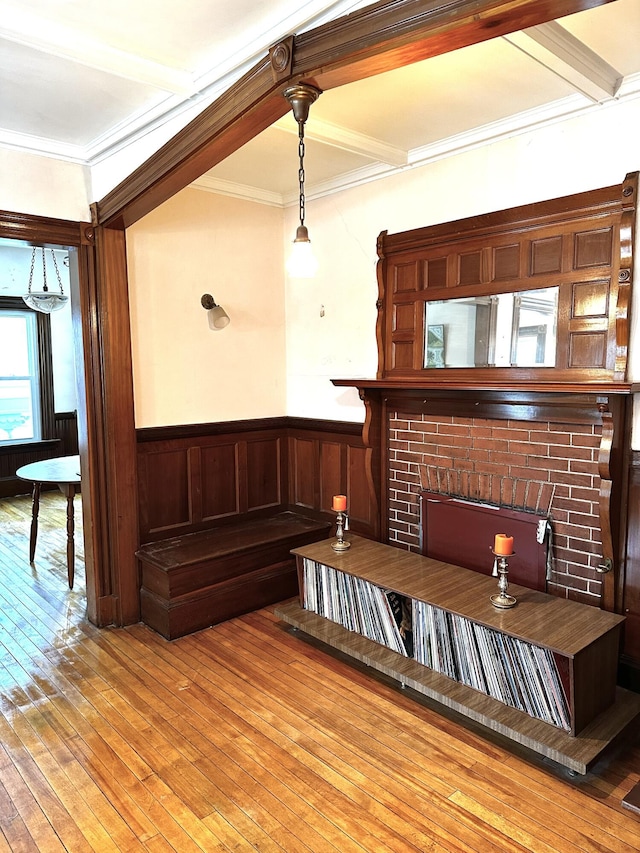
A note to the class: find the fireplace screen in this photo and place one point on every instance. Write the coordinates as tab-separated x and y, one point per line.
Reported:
462	532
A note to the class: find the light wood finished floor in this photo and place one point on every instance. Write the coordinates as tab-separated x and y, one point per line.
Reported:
244	737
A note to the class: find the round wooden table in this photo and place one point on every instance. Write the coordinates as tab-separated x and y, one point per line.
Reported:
64	471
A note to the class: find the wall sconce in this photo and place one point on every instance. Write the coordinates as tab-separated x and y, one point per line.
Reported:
45	300
302	262
218	317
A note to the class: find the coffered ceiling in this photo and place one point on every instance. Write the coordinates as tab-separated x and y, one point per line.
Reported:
79	79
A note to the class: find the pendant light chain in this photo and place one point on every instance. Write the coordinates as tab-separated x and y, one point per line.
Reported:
33	262
45	288
55	264
301	170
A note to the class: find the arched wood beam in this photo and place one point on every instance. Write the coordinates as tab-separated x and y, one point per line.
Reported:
378	38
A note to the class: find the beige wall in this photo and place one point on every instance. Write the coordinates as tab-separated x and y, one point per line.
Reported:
42	186
183	371
581	154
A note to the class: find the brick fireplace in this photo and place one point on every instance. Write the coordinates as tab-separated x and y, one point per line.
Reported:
564	455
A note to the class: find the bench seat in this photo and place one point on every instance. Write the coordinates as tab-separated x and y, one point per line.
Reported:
193	581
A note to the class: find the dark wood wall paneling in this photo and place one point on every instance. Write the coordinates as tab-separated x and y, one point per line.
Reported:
63	443
196	477
14	457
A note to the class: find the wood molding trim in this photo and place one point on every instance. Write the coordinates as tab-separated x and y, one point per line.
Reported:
606	487
23	226
114	465
625	273
168	433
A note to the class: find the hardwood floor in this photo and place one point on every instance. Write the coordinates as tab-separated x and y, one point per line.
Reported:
245	737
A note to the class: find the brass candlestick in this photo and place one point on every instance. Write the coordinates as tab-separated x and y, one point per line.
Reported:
342	521
502	599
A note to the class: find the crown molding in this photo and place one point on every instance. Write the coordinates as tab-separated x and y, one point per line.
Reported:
529	120
211	184
347	140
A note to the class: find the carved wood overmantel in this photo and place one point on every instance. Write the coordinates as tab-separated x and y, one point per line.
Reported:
583	246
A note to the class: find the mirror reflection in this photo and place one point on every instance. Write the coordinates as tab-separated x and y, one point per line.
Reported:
504	330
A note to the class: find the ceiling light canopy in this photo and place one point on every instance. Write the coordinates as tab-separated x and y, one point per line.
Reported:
302	262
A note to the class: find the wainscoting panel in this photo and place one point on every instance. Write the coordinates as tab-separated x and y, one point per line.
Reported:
207	475
219	487
165	489
63	442
329	458
263	473
302	472
330	454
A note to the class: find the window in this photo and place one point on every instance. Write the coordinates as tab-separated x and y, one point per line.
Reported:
26	385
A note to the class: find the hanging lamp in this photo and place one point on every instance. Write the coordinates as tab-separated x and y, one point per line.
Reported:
45	300
302	263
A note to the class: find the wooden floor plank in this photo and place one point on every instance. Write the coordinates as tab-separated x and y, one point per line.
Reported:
244	737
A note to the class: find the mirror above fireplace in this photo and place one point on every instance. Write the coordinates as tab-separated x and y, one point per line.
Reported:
517	329
538	294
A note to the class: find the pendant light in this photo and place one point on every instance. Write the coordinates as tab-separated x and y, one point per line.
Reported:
45	300
302	262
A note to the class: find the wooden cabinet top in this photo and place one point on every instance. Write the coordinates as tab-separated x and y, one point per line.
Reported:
564	626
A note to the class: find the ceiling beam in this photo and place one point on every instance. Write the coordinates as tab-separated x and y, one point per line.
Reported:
387	35
347	140
562	53
37	34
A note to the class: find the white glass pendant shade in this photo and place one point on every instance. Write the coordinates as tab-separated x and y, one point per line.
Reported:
302	262
46	302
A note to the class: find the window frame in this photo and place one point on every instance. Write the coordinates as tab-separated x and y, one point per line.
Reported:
45	371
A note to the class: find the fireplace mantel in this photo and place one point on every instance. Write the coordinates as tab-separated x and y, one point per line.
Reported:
607	406
575	403
477	385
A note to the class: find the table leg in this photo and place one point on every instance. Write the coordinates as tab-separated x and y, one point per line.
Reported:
69	490
34	521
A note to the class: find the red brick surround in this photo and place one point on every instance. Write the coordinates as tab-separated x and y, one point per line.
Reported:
565	455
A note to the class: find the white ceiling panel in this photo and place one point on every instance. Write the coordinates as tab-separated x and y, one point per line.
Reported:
270	162
612	31
81	78
55	98
443	96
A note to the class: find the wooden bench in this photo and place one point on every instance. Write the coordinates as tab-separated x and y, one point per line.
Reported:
193	581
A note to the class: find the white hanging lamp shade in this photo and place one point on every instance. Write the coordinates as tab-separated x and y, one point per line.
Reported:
45	300
302	262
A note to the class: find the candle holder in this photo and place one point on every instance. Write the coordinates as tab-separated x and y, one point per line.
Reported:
502	599
342	521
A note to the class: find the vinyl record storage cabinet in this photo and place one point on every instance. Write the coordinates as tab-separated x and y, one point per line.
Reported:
542	673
